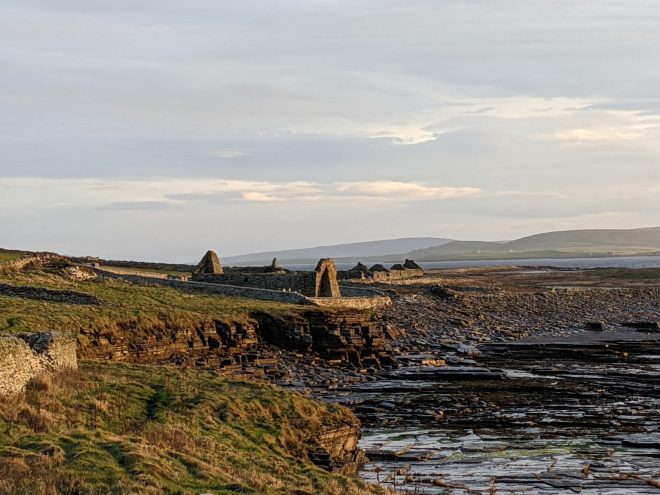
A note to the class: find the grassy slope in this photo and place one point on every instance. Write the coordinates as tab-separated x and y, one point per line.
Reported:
9	256
120	429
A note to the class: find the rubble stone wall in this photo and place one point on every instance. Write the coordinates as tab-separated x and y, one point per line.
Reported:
396	275
26	356
362	303
380	276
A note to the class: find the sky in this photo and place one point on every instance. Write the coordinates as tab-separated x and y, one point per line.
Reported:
158	129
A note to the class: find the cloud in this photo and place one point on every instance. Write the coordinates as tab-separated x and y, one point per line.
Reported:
162	193
595	135
403	190
260	197
138	205
229	154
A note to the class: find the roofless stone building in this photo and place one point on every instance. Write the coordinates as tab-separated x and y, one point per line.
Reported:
322	282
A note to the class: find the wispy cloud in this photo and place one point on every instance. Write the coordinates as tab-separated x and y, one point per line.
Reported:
229	154
139	205
151	194
260	197
403	190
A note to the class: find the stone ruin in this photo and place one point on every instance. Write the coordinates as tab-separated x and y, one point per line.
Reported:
210	264
320	283
25	356
378	272
326	284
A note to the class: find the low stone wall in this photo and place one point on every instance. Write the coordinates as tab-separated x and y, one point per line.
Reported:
50	295
361	303
208	288
137	265
26	356
304	283
396	275
19	264
361	291
380	276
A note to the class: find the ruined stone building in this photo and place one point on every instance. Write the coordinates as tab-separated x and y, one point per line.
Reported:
322	282
378	273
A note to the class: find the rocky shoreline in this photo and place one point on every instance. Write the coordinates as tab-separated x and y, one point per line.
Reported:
501	389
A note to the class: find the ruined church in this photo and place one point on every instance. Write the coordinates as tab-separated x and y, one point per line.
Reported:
322	282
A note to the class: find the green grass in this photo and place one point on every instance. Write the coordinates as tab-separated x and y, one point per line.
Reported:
123	306
122	429
4	257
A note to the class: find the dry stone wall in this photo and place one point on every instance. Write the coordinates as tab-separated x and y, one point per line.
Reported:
43	294
26	356
21	263
208	288
303	283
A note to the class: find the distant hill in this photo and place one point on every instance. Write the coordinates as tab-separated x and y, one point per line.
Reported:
592	242
369	249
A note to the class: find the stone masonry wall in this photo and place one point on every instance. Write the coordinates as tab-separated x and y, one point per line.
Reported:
209	288
304	283
322	282
26	356
380	276
364	300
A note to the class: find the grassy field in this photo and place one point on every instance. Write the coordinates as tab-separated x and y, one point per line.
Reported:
121	429
122	306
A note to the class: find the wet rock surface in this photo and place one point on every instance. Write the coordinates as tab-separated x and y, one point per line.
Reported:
501	389
569	416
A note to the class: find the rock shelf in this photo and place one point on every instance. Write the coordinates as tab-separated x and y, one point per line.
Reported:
578	415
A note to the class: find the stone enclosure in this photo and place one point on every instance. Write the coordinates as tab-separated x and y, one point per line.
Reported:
322	282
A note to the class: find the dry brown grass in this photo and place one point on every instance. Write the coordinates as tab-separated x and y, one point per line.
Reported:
119	429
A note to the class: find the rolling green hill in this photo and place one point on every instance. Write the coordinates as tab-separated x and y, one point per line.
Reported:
605	242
